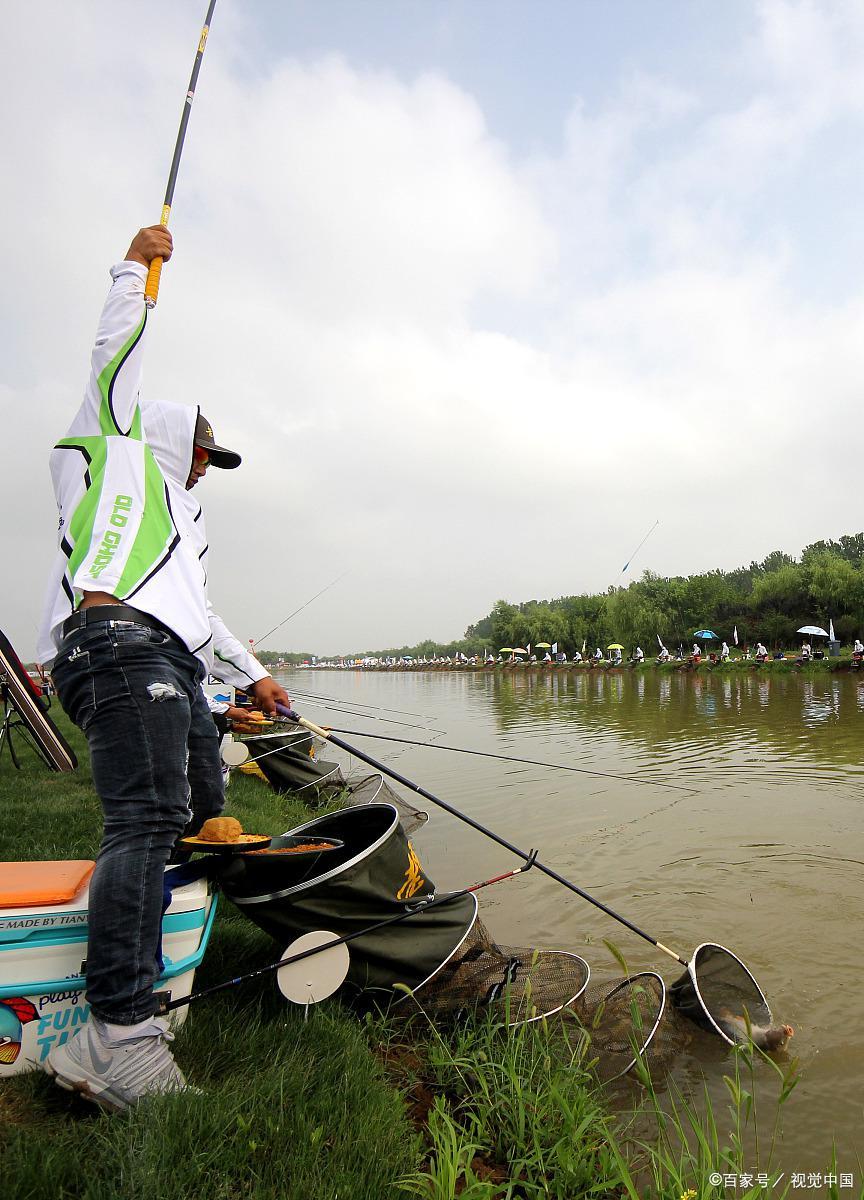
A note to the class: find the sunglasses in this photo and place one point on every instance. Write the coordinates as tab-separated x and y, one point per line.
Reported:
200	456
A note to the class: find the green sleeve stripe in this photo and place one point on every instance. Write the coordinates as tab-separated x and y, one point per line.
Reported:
155	530
81	524
106	381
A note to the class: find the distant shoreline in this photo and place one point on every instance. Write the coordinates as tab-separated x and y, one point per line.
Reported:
737	666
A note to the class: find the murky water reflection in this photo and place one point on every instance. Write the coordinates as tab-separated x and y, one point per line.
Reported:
763	852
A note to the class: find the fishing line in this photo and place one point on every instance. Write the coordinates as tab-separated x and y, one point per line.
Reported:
403	712
302	606
351	713
531	762
293	746
300	741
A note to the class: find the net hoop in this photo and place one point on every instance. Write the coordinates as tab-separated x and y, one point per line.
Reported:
550	1012
619	1020
416	994
691	972
449	957
308	827
661	1008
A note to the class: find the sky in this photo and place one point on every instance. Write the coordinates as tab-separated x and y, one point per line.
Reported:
480	290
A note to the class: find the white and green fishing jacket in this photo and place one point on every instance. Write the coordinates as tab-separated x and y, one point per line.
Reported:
127	524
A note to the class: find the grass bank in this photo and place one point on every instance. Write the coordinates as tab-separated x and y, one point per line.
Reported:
337	1107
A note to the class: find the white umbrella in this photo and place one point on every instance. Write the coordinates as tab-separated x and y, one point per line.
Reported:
813	630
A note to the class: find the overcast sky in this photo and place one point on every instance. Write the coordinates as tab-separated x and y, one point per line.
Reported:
480	289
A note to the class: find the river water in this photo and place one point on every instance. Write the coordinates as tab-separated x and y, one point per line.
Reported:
763	850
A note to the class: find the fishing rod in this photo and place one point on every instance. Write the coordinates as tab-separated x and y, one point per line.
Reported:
639	547
423	906
302	606
151	290
531	762
328	735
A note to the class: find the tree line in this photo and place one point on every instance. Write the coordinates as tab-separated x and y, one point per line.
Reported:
767	601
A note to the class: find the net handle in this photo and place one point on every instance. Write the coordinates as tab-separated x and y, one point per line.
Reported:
328	735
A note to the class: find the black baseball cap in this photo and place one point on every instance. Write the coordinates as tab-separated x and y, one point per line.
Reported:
219	456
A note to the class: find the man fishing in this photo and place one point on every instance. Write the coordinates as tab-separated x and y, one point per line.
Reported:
132	635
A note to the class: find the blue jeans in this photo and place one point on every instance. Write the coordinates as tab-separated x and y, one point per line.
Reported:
154	749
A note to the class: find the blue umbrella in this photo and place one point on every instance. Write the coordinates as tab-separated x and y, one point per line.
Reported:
704	634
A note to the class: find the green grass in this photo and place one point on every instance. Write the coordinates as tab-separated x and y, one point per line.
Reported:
514	1113
288	1108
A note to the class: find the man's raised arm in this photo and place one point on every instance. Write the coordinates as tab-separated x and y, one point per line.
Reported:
115	378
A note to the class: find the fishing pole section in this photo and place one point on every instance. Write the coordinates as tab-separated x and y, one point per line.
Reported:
151	289
531	762
282	718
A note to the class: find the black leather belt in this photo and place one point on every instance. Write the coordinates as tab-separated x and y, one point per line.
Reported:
112	612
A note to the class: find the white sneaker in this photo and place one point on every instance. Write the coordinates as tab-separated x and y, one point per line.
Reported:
114	1074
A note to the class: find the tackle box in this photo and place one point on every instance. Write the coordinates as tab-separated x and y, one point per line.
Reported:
43	951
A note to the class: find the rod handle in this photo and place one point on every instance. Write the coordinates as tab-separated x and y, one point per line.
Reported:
291	715
154	274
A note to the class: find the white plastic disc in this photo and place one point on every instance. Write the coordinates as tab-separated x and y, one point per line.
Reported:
234	753
318	976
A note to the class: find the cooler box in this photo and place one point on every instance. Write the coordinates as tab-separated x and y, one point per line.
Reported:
43	949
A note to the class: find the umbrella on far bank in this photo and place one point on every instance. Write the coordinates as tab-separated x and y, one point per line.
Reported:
614	646
704	635
519	650
542	645
813	630
506	650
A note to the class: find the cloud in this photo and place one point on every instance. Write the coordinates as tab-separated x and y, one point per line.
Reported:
458	373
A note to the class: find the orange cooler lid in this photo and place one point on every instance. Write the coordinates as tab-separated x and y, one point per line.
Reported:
30	884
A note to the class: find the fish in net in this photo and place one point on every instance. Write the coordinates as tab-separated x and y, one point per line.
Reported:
719	994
